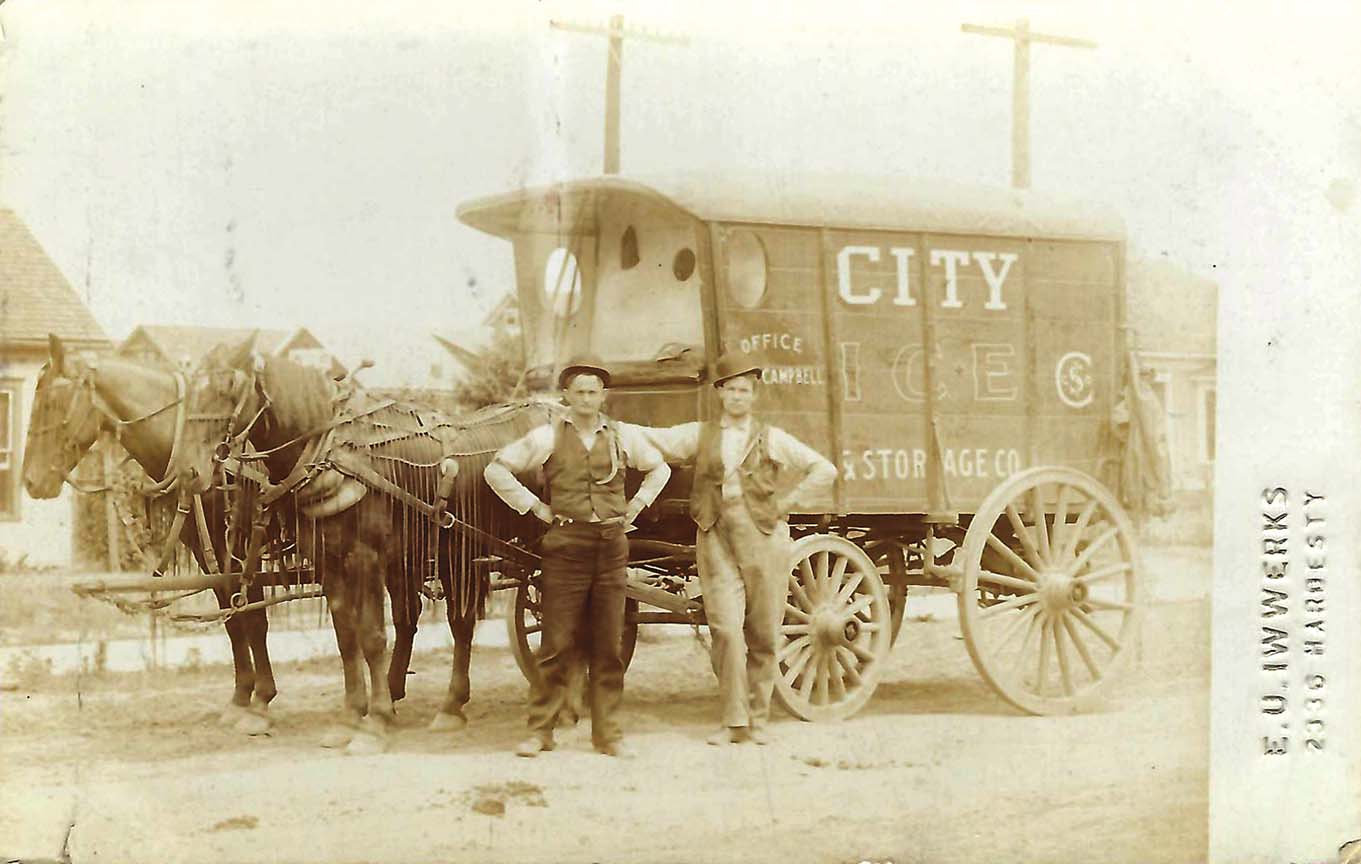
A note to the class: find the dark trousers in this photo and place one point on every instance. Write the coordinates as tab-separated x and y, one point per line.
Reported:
582	599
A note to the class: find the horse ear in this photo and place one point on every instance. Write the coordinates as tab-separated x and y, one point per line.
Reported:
57	350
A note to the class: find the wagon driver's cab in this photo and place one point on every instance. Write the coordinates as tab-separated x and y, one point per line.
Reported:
611	267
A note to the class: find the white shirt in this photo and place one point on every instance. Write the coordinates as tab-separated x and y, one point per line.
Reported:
681	444
532	451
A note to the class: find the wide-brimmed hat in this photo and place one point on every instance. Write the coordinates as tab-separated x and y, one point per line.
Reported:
733	365
584	363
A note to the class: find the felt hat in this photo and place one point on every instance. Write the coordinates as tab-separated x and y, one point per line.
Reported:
733	365
583	363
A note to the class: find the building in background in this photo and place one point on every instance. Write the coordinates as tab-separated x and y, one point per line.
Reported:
1173	318
35	300
181	347
485	362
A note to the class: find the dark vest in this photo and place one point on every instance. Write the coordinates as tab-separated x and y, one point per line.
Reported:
758	477
580	482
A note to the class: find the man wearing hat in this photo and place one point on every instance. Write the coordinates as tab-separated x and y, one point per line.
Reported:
585	550
748	477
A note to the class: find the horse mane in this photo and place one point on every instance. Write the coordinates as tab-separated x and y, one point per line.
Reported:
303	398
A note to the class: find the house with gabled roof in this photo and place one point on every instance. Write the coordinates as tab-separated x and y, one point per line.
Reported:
1173	319
181	347
35	300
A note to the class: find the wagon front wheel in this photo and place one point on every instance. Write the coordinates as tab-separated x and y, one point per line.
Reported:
524	623
1050	596
836	635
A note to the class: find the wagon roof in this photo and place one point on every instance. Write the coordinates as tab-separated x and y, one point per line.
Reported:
833	201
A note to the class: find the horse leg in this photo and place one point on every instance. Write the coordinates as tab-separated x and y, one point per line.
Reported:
406	610
363	565
462	623
241	662
257	721
341	599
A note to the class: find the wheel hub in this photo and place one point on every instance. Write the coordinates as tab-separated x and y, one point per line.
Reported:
1059	591
831	628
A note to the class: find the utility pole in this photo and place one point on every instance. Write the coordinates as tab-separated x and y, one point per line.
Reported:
1020	88
614	61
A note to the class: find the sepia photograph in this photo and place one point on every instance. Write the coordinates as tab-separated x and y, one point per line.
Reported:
613	431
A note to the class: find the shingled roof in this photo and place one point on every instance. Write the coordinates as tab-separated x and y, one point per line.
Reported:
188	344
1170	309
35	299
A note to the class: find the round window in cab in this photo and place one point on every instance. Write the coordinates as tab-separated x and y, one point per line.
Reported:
683	265
562	282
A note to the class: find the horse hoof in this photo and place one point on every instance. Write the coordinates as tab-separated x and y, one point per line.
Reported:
231	715
448	722
254	724
366	744
337	737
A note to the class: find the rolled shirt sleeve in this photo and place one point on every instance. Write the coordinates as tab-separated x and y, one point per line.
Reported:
817	471
519	457
644	456
677	444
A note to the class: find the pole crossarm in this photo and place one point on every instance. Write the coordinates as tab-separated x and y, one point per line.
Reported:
1021	38
1012	33
631	32
614	62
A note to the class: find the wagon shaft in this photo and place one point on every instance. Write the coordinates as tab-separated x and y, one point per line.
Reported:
144	585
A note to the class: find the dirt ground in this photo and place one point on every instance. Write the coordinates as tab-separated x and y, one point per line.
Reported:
936	769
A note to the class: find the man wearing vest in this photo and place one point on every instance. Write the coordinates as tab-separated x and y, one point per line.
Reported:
585	551
742	544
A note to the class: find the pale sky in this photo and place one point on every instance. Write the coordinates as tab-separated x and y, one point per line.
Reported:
237	164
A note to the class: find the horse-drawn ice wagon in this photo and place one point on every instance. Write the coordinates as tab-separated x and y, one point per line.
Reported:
960	355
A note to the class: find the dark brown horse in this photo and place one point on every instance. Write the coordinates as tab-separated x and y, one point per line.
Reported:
362	484
74	402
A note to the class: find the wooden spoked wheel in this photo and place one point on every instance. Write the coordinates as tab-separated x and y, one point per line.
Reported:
836	630
524	621
1050	597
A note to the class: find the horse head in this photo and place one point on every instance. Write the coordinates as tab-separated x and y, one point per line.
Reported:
275	404
65	423
228	401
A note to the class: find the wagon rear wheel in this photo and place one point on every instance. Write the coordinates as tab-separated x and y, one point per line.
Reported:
524	621
836	630
1051	596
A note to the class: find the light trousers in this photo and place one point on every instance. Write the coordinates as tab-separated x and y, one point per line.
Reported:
744	575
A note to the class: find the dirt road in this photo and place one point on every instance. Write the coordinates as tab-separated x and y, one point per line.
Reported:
936	769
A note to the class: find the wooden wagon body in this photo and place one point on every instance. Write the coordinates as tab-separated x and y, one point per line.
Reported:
956	352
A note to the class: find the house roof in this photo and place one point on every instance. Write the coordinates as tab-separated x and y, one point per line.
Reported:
184	343
188	344
834	201
35	299
1170	309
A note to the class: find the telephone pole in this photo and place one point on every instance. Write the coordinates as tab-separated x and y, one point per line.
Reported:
614	61
1020	88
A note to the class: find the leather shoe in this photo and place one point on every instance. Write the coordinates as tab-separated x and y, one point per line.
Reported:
533	746
758	735
725	735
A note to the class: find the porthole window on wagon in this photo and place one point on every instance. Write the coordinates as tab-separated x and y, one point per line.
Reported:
746	268
683	265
